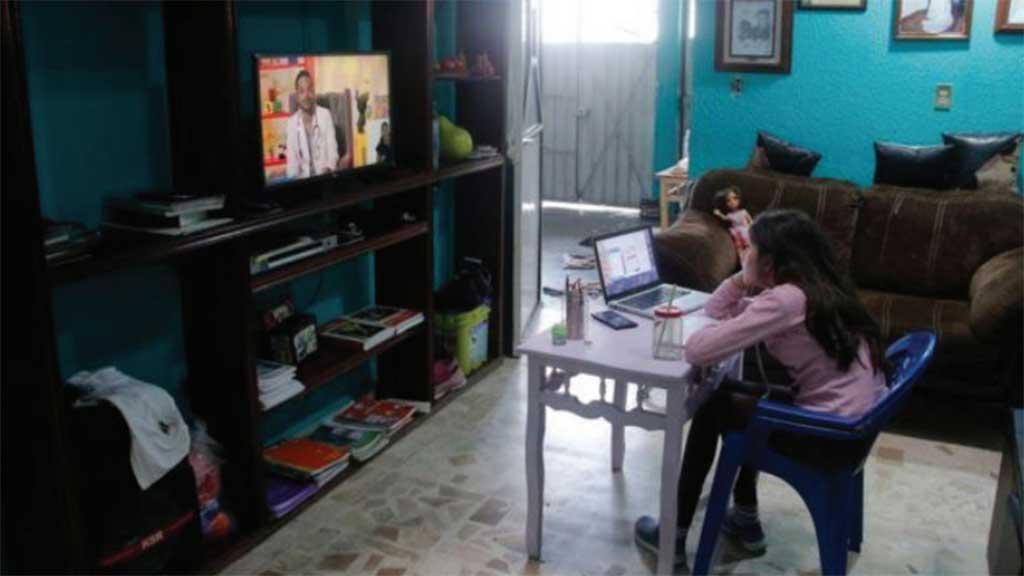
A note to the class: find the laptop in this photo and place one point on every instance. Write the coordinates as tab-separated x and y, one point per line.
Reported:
629	275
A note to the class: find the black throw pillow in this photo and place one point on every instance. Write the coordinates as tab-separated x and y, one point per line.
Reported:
974	150
787	158
914	166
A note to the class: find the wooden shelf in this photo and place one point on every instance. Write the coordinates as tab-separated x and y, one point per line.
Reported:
334	358
248	542
455	77
330	258
125	249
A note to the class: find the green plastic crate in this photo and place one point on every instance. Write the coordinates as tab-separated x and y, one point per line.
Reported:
465	335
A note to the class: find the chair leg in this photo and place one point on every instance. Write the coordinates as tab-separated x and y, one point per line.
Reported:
830	503
857	512
729	459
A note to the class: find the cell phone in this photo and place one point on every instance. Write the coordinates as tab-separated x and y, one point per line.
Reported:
613	320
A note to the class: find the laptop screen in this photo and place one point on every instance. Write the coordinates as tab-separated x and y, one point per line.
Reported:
627	262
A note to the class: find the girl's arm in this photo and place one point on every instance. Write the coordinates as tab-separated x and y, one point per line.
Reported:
767	315
728	299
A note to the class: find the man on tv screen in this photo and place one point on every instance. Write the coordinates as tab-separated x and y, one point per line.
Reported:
312	146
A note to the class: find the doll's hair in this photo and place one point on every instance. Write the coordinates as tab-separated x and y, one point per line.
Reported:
722	198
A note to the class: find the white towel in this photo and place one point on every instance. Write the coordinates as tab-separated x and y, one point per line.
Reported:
160	438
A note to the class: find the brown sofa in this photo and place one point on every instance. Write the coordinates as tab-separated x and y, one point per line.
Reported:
946	261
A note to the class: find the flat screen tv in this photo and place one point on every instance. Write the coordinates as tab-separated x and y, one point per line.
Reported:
322	115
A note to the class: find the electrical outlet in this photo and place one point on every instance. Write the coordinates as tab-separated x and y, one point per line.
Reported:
943	96
736	86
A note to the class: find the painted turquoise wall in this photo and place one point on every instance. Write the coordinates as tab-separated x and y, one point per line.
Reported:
445	21
97	87
669	91
852	84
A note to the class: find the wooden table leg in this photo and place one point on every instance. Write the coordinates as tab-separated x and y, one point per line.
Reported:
670	461
618	428
535	422
663	204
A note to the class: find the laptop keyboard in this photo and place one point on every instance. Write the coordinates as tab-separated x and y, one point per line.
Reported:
652	298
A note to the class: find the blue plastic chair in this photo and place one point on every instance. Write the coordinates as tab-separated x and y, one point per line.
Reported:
834	494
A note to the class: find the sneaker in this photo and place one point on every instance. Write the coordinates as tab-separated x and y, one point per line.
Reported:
748	535
646	534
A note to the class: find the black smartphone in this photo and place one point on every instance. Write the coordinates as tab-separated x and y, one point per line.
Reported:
613	320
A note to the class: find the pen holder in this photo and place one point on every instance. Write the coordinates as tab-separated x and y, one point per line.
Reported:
668	333
576	315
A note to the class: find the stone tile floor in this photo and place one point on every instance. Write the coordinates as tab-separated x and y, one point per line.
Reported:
450	499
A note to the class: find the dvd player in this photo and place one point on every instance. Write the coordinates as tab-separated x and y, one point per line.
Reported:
297	248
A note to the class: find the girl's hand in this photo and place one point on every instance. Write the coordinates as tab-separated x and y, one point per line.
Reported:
738	281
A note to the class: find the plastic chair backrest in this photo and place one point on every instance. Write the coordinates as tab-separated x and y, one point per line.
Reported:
908	357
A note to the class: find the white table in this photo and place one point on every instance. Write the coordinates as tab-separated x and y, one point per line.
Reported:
622	356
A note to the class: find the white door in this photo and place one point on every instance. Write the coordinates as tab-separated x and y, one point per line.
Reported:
598	97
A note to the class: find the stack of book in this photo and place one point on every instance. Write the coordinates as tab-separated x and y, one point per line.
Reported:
68	240
277	383
284	494
386	416
307	460
362	444
372	326
164	214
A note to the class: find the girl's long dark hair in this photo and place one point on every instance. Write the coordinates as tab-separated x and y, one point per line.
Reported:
802	255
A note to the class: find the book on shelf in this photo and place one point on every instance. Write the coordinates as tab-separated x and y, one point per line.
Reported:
144	219
168	205
172	231
379	415
320	478
401	319
362	444
285	494
304	457
361	335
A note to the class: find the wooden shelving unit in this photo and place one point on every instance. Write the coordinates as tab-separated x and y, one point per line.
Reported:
207	103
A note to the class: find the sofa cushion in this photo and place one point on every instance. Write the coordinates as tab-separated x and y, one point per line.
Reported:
957	348
915	166
917	242
975	151
777	155
831	203
696	252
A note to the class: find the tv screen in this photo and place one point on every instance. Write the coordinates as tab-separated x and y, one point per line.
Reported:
323	114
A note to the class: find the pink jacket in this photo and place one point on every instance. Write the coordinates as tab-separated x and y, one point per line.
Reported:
776	317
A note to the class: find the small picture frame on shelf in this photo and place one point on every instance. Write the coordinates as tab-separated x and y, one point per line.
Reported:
932	19
859	5
1010	16
754	36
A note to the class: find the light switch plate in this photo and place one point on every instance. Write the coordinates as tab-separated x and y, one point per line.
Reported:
943	96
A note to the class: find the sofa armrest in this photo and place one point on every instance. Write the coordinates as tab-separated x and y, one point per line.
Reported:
997	296
697	252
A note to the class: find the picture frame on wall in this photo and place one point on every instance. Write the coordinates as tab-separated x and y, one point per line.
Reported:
754	36
932	19
859	5
1010	16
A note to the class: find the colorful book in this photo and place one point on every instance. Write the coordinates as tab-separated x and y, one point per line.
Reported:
362	444
361	335
401	319
380	415
304	456
284	494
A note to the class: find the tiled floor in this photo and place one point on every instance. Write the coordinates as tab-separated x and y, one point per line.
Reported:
450	499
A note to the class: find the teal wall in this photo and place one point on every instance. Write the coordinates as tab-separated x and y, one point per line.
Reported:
852	84
97	88
445	21
669	90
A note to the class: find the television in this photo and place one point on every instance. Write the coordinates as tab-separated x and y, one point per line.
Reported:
322	115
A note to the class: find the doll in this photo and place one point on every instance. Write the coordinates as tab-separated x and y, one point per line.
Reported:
729	209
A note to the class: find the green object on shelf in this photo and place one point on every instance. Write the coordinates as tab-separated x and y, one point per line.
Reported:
465	335
559	334
456	143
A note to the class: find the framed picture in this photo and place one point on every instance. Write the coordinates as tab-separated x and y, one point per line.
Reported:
754	35
833	4
933	19
1010	16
